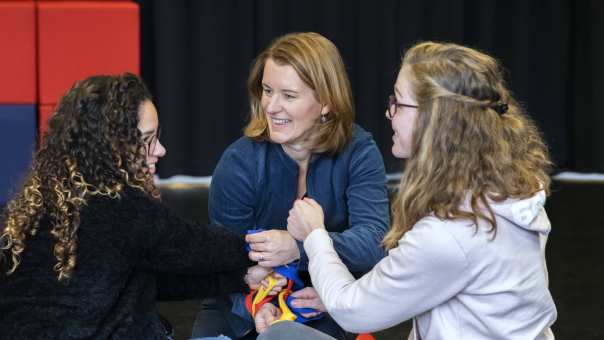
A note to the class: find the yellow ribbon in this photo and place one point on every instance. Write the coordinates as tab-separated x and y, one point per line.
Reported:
262	293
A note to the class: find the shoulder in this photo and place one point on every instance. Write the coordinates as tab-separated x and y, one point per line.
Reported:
362	152
243	152
131	208
361	136
437	239
136	201
361	141
246	144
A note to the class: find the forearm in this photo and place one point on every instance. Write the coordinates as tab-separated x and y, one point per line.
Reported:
184	287
333	281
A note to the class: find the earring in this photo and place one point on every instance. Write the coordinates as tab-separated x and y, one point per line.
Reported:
323	119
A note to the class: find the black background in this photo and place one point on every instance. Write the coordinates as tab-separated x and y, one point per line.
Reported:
196	57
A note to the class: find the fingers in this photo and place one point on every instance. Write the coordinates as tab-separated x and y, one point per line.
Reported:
257	257
307	298
311	202
265	317
278	276
310	315
261	246
305	293
280	283
276	290
302	204
305	303
262	236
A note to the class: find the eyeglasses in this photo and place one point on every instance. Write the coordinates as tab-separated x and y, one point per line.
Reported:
393	105
152	143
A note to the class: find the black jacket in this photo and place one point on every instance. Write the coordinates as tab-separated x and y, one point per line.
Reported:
129	251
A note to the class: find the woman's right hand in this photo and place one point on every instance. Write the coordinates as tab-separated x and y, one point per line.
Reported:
280	282
258	275
305	216
265	317
255	275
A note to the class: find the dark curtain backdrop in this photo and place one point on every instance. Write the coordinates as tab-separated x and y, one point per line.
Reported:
196	55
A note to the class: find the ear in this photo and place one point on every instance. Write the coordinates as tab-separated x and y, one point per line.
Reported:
325	109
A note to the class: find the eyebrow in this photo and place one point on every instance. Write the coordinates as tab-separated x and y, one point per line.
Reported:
291	91
397	92
147	133
285	90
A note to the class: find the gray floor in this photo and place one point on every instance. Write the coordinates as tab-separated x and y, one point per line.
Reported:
182	314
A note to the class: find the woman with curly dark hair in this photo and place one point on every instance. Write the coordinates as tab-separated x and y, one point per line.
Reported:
87	246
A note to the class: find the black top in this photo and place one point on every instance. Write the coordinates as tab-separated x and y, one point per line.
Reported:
129	252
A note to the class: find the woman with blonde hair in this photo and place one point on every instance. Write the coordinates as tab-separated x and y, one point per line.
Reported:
86	246
467	244
301	141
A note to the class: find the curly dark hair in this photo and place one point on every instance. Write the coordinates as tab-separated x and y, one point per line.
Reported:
93	147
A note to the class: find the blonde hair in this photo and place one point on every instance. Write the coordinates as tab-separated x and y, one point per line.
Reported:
318	63
471	140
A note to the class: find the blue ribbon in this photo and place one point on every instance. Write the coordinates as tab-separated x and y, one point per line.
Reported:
290	271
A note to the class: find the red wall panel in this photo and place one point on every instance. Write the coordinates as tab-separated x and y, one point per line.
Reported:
77	39
44	113
18	56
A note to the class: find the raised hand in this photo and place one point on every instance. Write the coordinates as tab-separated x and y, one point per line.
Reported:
305	216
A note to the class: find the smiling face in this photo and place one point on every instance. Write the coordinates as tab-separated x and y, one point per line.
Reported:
290	105
404	119
148	125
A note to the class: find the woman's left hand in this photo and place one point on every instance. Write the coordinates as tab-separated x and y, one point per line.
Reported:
308	298
272	248
305	216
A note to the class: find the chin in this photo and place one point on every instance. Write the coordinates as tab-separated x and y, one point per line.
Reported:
398	153
278	138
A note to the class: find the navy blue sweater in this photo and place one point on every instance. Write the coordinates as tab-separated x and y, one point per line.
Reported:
255	184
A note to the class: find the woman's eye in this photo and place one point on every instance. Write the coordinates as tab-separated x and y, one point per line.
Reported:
289	96
267	91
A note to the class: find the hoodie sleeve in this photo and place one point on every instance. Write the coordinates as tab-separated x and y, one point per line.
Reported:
368	210
427	268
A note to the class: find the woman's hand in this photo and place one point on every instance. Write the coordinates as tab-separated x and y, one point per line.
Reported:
280	282
308	298
266	315
305	216
256	275
272	248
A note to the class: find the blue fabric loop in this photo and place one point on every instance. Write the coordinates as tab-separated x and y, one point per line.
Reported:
290	271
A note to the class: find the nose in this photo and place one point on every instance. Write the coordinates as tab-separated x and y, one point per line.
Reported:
272	104
159	151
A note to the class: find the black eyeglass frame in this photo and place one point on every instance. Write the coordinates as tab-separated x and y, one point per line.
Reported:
152	143
393	103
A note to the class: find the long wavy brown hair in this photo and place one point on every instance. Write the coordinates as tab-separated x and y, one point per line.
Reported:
465	146
93	147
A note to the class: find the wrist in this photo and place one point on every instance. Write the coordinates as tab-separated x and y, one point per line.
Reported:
318	226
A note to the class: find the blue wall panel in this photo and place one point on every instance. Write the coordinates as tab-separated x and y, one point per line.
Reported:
17	144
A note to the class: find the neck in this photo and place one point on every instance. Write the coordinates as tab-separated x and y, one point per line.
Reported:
298	153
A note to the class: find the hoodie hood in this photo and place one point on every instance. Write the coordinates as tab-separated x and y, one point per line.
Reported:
527	213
